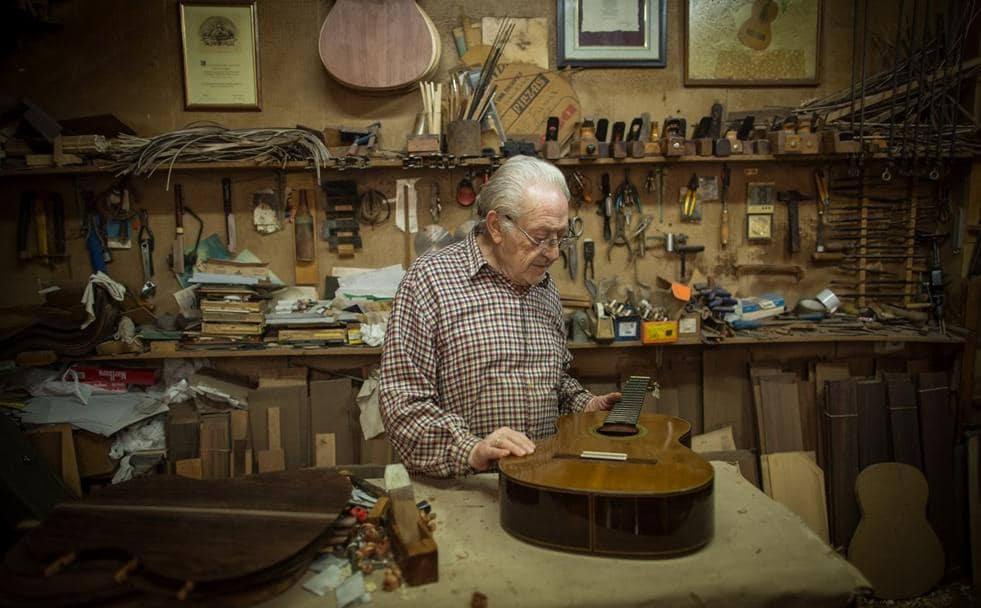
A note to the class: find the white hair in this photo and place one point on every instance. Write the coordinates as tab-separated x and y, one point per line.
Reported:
507	189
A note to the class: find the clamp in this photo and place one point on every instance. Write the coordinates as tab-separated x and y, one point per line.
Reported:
691	197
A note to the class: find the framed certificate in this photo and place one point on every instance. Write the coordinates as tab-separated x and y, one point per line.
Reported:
611	33
219	45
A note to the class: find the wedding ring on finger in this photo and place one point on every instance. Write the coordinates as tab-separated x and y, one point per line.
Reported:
497	442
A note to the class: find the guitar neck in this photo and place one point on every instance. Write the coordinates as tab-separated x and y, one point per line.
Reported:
627	411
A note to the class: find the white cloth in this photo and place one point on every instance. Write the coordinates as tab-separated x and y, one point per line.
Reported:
116	290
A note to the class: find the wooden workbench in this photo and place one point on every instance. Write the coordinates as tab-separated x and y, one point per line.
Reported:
761	555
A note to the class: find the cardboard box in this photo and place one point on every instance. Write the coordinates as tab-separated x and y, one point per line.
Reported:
626	329
143	376
659	332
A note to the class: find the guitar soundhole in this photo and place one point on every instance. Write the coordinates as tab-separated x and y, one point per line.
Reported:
616	429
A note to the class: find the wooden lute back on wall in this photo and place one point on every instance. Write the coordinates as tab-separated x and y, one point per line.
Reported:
655	501
378	45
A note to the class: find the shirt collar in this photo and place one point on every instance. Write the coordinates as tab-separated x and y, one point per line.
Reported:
476	261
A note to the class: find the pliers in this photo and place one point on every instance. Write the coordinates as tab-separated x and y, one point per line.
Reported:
691	197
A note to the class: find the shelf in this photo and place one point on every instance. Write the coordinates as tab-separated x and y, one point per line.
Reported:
397	163
375	352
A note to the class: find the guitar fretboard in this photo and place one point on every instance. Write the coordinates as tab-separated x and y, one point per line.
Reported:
627	411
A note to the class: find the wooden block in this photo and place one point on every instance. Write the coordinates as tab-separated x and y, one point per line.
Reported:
793	479
215	445
92	454
164	346
326	455
189	467
755	372
240	441
183	432
403	501
719	440
272	429
419	561
57	445
378	511
271	460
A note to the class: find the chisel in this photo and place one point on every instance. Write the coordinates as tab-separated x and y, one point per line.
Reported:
178	252
226	200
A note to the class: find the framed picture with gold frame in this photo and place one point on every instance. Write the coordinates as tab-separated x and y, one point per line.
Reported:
753	42
219	48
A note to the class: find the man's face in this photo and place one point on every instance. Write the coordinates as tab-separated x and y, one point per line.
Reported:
523	261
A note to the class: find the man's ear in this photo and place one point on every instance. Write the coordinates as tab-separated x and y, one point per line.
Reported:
494	229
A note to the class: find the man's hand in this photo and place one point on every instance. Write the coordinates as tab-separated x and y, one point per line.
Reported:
500	443
602	402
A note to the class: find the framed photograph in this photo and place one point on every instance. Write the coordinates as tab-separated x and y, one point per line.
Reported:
219	45
611	33
753	42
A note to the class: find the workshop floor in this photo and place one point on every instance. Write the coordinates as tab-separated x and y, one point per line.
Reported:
951	595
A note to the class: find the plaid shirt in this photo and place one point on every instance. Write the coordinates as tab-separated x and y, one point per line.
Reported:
466	352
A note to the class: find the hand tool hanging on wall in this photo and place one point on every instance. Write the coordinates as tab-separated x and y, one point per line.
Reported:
95	242
340	228
435	206
689	203
465	193
627	199
177	254
606	209
146	243
41	215
792	198
724	222
226	202
588	255
823	207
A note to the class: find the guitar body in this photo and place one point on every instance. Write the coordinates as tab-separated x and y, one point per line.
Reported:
894	545
755	32
658	502
378	45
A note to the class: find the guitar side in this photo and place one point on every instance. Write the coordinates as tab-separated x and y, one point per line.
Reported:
755	32
659	502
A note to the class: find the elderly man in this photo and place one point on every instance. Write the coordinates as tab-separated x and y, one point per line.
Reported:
475	358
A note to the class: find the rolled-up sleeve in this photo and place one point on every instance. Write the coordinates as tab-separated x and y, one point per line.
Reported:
427	438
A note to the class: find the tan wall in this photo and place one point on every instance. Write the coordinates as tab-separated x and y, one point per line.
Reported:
123	57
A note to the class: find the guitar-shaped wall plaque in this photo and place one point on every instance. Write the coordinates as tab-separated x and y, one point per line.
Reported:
617	483
378	46
755	31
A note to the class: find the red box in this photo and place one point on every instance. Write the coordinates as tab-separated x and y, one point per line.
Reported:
145	376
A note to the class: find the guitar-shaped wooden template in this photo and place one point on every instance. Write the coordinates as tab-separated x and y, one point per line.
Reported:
656	500
379	45
755	31
894	545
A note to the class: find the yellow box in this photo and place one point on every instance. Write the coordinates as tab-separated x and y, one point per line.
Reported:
659	332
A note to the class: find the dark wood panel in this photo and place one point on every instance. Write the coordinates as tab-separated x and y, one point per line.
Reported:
841	419
904	426
873	423
781	413
938	428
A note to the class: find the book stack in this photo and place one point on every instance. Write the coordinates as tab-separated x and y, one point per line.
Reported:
228	310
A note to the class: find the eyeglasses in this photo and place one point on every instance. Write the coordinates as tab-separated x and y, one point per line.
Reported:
543	244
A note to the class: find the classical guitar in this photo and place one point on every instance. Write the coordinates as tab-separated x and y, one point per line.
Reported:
378	45
755	31
617	483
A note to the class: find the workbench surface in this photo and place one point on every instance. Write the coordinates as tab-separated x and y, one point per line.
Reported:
761	555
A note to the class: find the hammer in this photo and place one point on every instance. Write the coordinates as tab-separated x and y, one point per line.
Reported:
793	199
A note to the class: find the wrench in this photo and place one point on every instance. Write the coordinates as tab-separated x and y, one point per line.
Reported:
146	255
